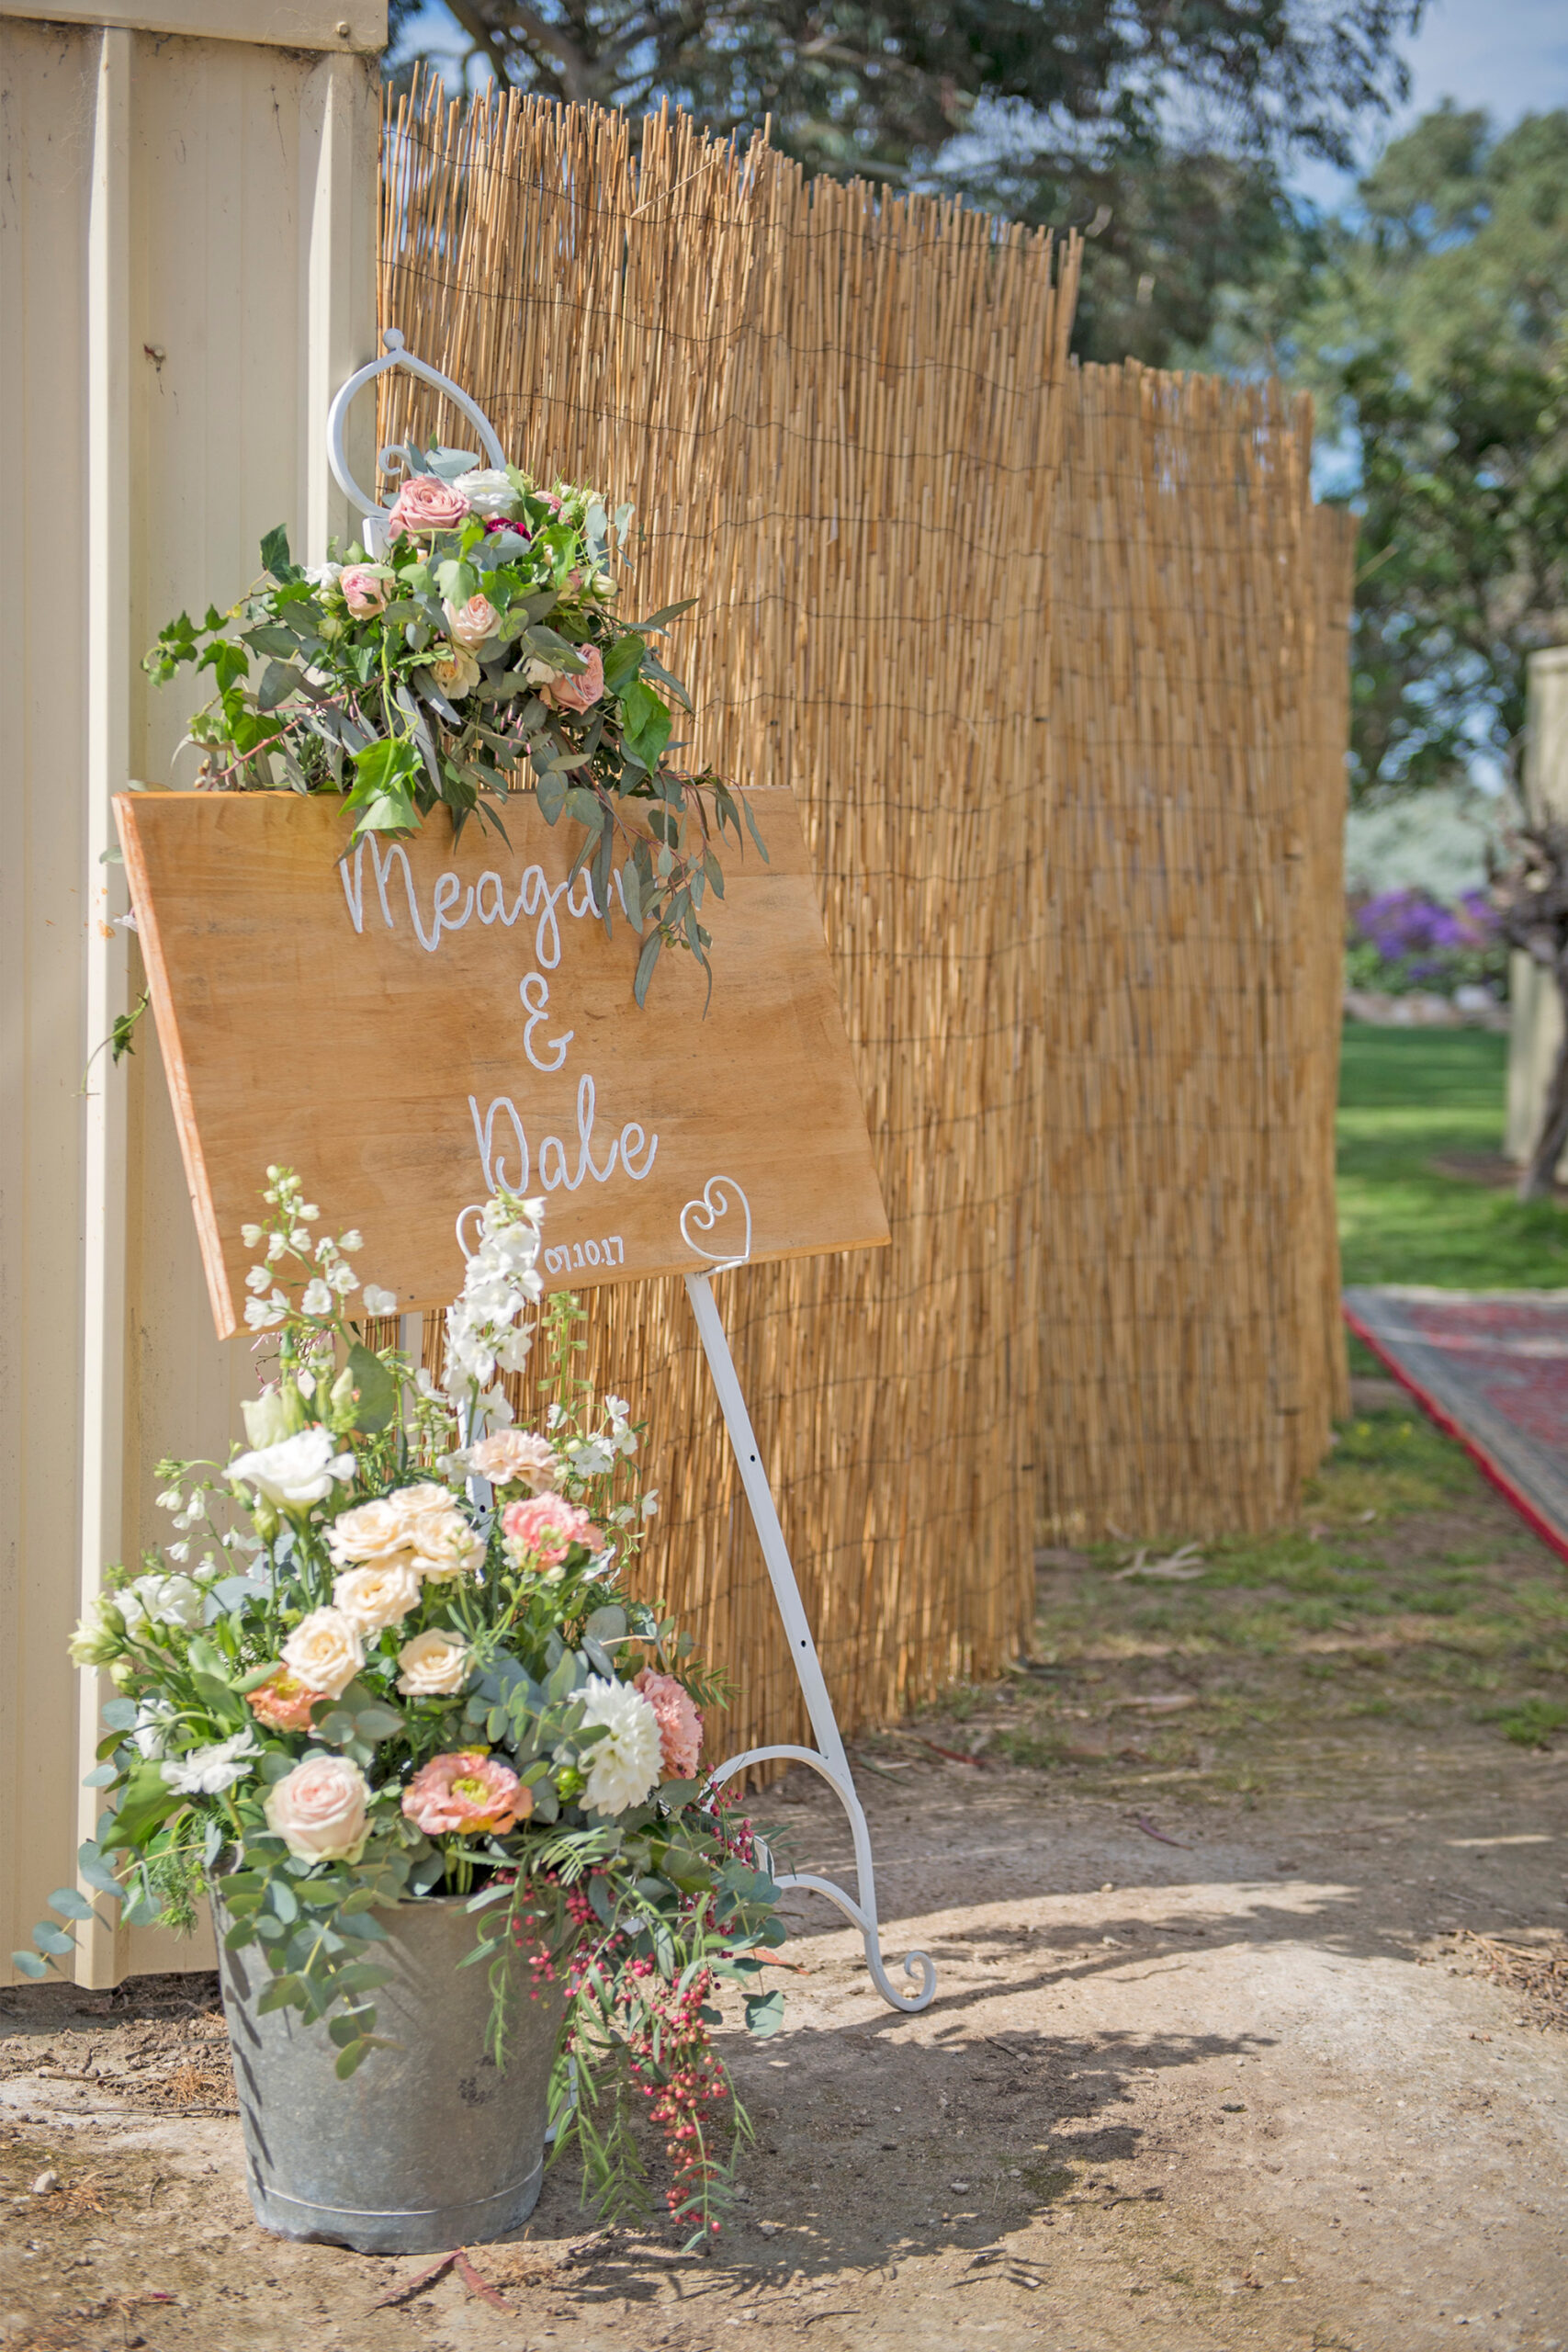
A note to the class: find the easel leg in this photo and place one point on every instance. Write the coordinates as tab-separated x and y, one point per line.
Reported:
828	1758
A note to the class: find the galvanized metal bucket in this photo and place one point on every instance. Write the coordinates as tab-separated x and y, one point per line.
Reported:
429	2145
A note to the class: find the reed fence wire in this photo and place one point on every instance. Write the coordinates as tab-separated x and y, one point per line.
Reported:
1035	649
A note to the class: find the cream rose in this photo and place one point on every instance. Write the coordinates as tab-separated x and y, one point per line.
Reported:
371	1532
378	1595
434	1665
446	1546
324	1650
320	1810
423	1502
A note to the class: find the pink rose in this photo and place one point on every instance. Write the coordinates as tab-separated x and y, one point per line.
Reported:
580	692
679	1724
545	1527
464	1793
364	592
471	623
514	1458
424	503
283	1702
320	1810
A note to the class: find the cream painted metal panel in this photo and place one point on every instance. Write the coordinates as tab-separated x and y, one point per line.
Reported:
1535	1026
188	242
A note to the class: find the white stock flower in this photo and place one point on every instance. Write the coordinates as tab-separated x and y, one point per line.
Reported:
624	1765
261	1313
161	1600
318	1298
250	1235
435	1665
344	1279
297	1471
378	1595
650	1503
378	1301
204	1772
324	1651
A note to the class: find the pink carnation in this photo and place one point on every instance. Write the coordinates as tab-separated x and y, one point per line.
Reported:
283	1702
545	1527
581	691
680	1724
425	503
464	1793
364	591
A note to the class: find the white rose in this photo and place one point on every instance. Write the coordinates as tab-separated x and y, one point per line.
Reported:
488	490
295	1472
377	1530
161	1600
434	1665
378	1595
320	1810
204	1772
446	1546
626	1764
324	1651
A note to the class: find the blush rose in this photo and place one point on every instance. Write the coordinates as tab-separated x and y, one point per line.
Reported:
320	1810
581	691
425	503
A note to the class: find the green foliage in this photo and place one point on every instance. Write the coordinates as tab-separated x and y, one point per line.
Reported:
1062	116
1429	322
1410	1098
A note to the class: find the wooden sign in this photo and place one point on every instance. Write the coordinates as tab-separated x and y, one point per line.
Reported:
425	1021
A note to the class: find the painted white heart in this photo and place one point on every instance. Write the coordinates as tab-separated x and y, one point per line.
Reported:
705	1214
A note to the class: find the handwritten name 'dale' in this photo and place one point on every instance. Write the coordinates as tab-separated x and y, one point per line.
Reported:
414	1024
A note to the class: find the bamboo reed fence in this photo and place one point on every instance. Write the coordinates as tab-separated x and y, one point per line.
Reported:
1046	657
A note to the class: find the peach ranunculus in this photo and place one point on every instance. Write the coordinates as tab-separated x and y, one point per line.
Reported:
324	1650
378	1595
371	1532
466	1792
320	1810
680	1724
425	503
470	625
581	691
435	1663
544	1530
364	591
514	1458
283	1702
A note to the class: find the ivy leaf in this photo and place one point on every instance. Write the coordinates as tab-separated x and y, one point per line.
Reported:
622	661
275	554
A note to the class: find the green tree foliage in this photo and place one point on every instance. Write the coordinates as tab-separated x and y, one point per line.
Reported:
1160	125
1432	323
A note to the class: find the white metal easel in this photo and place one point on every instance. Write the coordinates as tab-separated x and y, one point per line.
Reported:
720	1195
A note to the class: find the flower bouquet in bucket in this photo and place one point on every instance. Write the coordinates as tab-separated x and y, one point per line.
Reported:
387	1696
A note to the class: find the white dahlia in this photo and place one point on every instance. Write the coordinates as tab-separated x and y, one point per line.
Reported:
624	1765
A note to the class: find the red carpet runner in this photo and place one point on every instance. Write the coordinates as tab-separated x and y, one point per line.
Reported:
1490	1367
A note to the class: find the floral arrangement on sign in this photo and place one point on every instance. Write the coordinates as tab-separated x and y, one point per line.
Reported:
369	1687
484	636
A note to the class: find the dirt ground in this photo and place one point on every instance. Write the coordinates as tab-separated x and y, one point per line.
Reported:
1247	1898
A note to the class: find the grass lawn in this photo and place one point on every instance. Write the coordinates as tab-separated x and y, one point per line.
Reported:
1408	1096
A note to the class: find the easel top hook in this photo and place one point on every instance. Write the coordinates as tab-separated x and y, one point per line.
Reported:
390	460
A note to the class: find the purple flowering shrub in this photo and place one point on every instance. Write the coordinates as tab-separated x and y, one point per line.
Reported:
1402	940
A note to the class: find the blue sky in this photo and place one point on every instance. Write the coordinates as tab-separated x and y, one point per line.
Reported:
1510	56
